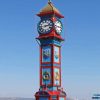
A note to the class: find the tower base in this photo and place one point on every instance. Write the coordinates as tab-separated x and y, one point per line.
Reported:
50	95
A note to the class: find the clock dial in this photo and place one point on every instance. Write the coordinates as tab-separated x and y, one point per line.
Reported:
45	26
58	26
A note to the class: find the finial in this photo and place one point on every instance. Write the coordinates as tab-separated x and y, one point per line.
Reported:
49	1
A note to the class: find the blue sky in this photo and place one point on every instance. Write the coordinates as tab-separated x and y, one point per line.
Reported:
19	51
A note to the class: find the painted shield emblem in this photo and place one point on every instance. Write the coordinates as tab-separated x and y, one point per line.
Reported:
46	76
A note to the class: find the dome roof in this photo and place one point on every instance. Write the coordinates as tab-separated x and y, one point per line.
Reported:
49	9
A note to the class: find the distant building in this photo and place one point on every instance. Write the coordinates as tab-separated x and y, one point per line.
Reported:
96	97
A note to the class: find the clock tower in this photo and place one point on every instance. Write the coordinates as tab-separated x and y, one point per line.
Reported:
50	30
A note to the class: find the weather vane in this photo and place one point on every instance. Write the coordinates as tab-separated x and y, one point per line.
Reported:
49	0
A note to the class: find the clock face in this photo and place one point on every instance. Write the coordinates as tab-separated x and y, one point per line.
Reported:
58	26
45	26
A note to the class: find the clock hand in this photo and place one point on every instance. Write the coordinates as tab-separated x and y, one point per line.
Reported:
46	26
58	26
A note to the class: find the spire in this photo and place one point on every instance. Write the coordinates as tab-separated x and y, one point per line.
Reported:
49	1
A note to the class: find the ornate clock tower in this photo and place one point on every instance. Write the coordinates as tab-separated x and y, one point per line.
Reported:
50	29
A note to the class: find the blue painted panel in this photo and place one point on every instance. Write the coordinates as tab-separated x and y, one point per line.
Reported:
43	98
52	88
46	64
56	54
57	43
49	41
54	97
61	98
46	54
58	65
46	76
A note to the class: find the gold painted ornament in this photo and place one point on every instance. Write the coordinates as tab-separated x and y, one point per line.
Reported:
57	76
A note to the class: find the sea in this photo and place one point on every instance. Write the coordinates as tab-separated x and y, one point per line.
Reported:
4	98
